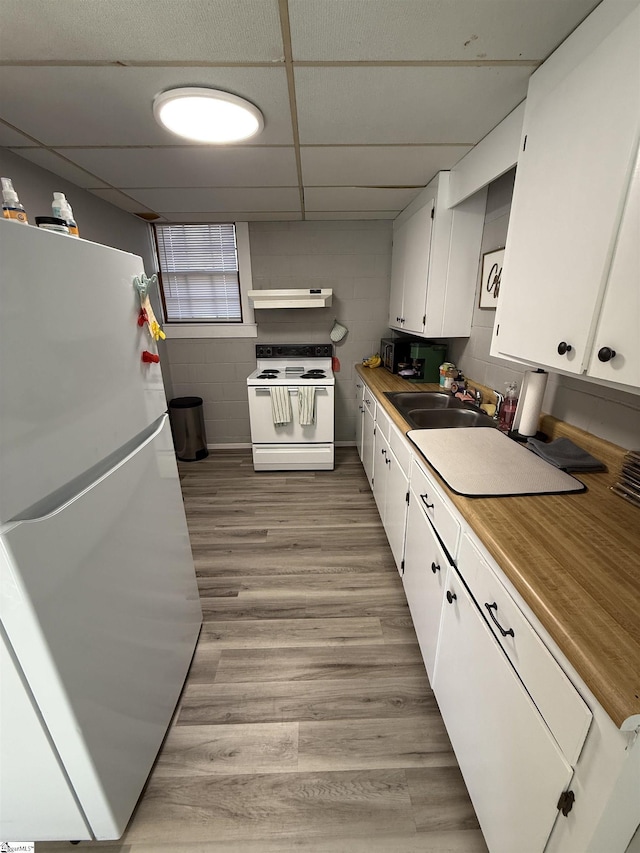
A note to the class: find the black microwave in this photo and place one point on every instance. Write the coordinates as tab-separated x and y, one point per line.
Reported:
394	352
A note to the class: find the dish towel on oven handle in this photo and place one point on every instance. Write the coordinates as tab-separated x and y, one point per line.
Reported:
280	405
306	405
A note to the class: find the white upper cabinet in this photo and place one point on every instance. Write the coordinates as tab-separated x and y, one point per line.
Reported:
434	263
615	355
579	143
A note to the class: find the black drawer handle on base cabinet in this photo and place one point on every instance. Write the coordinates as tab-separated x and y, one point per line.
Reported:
491	608
435	568
451	596
564	347
606	354
423	498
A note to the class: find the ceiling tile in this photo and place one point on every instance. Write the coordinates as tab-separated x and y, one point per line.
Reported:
357	198
146	30
53	163
432	29
377	165
205	200
393	105
191	166
121	200
236	215
351	214
9	137
113	106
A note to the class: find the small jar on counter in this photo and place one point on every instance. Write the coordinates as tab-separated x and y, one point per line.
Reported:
52	223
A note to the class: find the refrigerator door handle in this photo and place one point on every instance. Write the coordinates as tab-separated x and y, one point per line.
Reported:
62	498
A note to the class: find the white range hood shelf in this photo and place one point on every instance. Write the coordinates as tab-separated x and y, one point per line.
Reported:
291	298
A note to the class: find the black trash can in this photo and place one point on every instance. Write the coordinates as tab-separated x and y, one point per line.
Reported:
187	427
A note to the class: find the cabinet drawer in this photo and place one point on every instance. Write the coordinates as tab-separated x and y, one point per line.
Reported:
369	401
383	421
558	701
400	449
434	505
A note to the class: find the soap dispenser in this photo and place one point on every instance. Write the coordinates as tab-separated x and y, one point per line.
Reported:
508	408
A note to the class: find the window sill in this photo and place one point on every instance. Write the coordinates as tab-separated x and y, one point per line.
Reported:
210	330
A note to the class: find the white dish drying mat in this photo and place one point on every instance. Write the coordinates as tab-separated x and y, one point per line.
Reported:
480	462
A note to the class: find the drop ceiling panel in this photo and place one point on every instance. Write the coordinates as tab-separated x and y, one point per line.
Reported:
205	199
351	214
50	160
357	198
113	106
121	200
145	30
377	165
235	216
432	29
9	137
395	105
201	166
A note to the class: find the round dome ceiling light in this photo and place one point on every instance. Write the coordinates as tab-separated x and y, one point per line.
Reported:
207	115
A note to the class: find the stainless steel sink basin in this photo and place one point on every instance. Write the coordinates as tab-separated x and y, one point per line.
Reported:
404	400
437	410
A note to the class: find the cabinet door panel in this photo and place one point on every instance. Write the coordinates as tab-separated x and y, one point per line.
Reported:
570	186
368	424
422	585
395	514
380	470
512	766
416	270
620	317
398	264
359	413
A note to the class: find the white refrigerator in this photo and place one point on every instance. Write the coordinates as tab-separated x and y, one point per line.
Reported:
99	607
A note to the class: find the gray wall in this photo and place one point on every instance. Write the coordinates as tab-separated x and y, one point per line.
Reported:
97	220
608	413
353	258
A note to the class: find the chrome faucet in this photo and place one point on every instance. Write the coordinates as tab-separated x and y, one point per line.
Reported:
499	402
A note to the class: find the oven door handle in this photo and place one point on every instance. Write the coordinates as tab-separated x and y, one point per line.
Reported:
293	391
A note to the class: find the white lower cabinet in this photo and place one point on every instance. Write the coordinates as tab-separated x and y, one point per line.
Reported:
426	566
368	428
391	483
512	766
360	388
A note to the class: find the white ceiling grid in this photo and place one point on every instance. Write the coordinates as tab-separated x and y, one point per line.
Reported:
364	100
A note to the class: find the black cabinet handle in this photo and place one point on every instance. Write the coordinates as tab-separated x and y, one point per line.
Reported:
606	354
451	596
564	347
423	498
435	568
383	451
388	461
491	608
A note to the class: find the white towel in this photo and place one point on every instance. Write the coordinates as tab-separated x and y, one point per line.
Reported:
280	405
306	405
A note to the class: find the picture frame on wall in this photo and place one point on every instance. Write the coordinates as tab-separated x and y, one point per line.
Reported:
490	277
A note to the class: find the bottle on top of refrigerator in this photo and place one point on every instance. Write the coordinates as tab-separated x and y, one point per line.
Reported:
11	207
508	407
62	210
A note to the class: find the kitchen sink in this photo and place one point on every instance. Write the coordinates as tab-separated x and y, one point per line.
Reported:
437	410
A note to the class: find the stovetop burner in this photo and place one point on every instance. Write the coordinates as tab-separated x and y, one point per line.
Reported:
314	374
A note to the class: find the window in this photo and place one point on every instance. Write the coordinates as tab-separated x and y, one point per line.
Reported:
199	273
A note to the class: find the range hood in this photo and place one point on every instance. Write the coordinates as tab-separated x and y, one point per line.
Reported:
292	298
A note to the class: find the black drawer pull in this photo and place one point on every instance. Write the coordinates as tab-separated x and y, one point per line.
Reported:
606	354
564	347
491	608
423	498
435	568
451	596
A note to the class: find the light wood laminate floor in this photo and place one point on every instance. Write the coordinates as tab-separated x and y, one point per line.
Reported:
307	722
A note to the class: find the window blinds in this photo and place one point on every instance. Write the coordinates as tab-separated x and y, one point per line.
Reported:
199	272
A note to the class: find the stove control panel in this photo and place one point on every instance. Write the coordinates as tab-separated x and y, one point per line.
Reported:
294	350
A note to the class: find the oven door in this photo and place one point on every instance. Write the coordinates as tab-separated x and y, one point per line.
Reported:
264	431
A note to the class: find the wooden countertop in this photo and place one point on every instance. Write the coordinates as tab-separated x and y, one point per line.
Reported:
574	558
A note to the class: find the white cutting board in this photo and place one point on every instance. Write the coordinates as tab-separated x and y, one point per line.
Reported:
483	462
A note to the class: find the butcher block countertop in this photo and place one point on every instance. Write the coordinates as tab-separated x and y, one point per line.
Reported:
574	558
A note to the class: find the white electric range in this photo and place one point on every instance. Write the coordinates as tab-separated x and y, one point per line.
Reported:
300	374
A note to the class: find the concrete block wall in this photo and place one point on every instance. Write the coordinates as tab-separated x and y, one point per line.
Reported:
351	257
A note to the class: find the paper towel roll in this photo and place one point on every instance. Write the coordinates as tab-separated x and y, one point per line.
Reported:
530	402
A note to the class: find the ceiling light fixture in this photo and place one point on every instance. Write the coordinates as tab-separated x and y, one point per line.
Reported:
207	115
